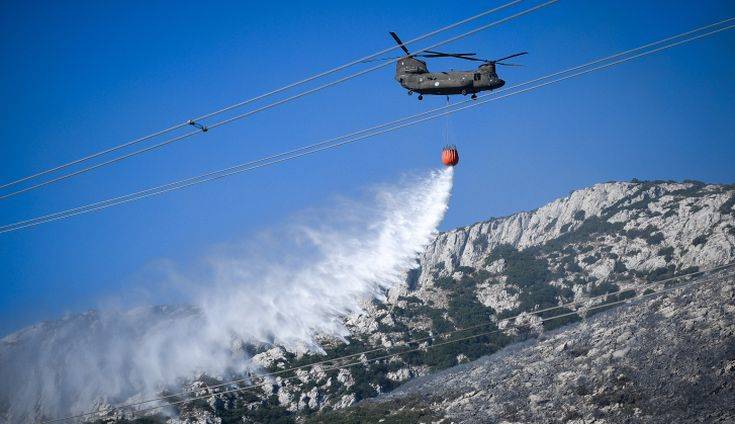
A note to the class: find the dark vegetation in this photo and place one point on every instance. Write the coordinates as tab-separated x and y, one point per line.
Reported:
480	243
593	225
403	411
699	240
727	207
269	411
648	233
667	253
531	274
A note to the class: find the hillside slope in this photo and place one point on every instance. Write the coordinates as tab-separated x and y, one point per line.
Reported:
670	359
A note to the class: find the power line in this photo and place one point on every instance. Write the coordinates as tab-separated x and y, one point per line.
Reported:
393	355
329	144
423	339
301	152
262	96
663	282
263	108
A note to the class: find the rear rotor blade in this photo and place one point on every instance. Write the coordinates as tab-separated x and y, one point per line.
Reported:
458	56
471	58
381	59
508	57
400	43
432	53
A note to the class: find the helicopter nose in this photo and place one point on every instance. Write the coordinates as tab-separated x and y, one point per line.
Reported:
500	83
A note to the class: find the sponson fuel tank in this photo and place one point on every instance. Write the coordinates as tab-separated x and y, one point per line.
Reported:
450	156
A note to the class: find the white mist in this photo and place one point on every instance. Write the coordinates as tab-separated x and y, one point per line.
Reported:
302	288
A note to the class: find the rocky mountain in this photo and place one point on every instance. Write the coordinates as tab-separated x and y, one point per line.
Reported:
573	252
604	238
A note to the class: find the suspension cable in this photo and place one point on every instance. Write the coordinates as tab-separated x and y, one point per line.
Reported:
201	128
329	144
663	282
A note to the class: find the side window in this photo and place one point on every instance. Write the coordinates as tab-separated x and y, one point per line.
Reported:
477	77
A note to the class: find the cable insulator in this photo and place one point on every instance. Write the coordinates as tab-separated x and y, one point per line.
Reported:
197	125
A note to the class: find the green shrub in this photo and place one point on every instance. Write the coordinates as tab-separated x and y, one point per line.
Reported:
444	282
667	253
521	267
700	239
727	207
655	238
619	267
590	226
661	273
603	288
671	212
480	243
466	269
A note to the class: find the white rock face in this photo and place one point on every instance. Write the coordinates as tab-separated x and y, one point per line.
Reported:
679	218
495	296
402	374
269	357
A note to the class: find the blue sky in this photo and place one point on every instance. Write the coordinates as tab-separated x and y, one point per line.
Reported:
78	77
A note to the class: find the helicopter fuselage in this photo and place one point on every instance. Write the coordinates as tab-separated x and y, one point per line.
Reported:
414	75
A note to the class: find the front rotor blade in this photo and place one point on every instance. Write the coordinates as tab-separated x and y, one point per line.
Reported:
508	64
400	43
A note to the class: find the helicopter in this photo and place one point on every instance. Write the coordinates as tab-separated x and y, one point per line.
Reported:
414	75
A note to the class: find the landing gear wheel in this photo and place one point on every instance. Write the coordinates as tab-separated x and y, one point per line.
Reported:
474	96
410	93
464	92
421	97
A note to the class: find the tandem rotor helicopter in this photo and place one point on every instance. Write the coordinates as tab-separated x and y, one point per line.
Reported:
414	75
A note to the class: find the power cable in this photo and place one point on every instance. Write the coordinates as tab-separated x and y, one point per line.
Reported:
246	114
315	148
424	348
664	282
262	96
